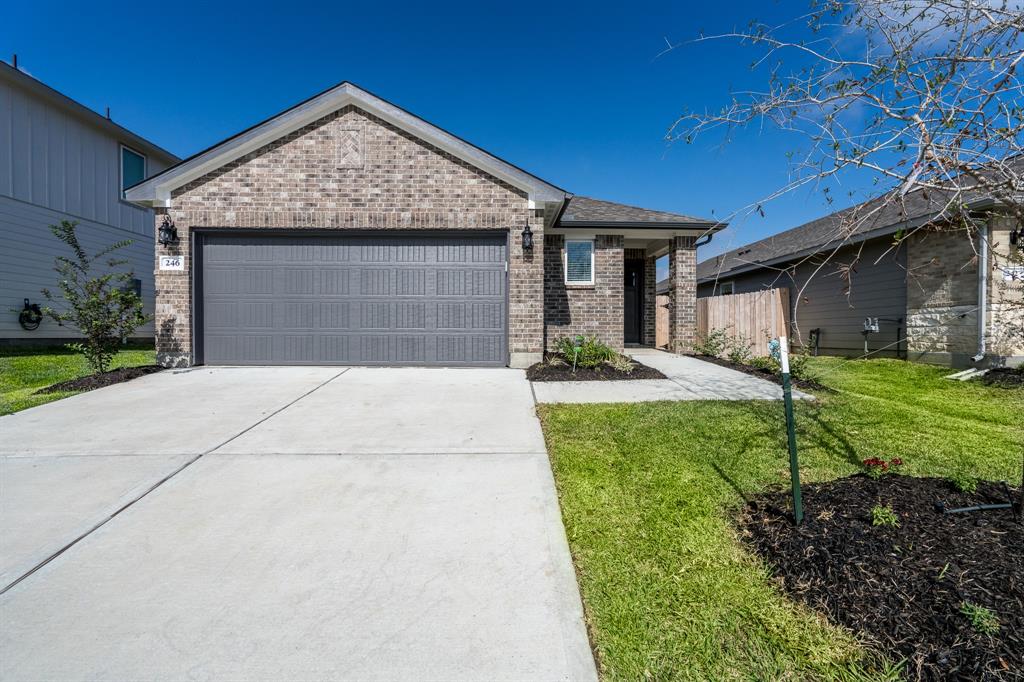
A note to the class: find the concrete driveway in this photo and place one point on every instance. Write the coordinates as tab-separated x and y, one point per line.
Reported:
286	523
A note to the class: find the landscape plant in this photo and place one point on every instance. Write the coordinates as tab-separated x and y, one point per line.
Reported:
95	299
585	351
713	343
963	482
883	515
983	620
738	350
876	467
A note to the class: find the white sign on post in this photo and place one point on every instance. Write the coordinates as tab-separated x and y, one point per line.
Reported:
172	262
784	354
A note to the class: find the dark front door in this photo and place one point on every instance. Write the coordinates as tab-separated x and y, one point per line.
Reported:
633	305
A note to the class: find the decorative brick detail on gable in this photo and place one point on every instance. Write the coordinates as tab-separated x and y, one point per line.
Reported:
591	310
322	176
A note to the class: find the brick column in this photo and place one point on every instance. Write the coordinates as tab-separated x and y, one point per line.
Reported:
650	301
526	294
682	280
173	318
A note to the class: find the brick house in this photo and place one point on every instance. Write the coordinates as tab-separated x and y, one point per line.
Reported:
346	230
934	290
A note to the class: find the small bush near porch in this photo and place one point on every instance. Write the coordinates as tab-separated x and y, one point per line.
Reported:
650	494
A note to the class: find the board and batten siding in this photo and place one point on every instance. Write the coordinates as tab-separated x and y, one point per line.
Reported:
55	165
878	289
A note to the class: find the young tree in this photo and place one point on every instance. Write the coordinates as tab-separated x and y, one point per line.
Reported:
102	306
920	99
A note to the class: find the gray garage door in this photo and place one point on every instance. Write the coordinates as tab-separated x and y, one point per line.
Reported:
356	300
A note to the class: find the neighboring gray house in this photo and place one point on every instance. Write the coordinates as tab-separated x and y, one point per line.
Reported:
62	161
926	296
347	230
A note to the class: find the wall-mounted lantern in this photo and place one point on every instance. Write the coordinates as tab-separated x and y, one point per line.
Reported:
168	233
527	238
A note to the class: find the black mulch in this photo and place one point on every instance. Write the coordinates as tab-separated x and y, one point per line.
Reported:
93	381
1004	377
766	374
546	371
903	587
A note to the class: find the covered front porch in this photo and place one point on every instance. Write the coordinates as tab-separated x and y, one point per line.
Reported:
601	272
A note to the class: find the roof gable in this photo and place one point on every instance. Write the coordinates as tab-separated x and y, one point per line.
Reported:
157	189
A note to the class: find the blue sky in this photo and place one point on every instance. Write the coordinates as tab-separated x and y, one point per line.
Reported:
573	92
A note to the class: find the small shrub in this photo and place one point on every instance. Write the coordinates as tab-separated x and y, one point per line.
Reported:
800	364
622	363
738	350
964	482
101	307
763	362
584	351
884	516
983	620
876	467
714	343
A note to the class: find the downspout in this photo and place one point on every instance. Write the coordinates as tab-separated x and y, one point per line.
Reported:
706	240
982	289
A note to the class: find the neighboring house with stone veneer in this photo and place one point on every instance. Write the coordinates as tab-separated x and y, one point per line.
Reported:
346	230
908	269
59	160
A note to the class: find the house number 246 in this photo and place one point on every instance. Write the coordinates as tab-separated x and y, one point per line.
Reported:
172	262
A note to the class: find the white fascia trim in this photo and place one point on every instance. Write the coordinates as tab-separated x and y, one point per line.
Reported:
159	188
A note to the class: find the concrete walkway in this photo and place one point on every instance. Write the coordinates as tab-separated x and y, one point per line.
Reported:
687	379
286	523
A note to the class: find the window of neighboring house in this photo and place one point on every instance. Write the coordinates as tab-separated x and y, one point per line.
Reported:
133	168
579	261
725	288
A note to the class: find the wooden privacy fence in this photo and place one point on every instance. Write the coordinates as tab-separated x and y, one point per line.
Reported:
759	315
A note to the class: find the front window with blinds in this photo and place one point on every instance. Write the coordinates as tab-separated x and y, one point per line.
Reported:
133	168
579	262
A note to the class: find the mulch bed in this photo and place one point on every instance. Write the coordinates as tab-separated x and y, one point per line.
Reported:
809	384
903	587
1004	377
545	371
94	381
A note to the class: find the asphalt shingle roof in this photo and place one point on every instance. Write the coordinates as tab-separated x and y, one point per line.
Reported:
584	211
874	216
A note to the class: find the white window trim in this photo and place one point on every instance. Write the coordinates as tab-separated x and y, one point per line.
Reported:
120	165
593	263
722	288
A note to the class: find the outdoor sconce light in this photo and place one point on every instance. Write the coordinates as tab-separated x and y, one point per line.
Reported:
168	232
527	238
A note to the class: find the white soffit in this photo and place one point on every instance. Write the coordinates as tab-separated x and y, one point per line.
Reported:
156	191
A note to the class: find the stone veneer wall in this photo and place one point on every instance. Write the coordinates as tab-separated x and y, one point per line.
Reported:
352	170
591	310
1005	293
942	296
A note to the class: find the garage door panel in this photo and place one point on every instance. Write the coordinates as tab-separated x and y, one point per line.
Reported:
354	300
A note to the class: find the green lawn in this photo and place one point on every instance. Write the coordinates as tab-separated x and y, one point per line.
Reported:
648	490
23	371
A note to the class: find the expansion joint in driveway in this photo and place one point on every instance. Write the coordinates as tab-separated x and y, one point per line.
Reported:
162	481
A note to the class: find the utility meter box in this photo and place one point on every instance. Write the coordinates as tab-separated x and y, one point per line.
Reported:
871	325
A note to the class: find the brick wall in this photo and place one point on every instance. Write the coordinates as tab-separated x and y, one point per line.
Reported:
591	310
682	275
351	170
942	295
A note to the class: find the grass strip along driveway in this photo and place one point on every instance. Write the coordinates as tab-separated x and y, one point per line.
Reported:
23	371
648	492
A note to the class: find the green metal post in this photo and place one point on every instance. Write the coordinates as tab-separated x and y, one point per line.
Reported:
794	464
